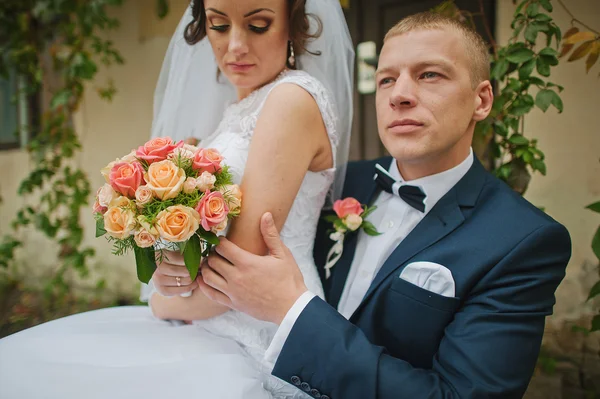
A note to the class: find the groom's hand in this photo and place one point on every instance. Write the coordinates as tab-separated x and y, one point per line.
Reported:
265	287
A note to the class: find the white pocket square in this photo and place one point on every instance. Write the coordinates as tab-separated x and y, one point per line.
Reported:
431	277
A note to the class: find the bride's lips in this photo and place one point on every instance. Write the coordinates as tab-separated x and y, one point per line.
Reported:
240	67
403	126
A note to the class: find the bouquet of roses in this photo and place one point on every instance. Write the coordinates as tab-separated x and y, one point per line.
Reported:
166	195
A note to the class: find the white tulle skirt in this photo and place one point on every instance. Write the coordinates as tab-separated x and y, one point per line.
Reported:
125	352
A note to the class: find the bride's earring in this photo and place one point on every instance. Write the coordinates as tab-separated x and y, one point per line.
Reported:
292	59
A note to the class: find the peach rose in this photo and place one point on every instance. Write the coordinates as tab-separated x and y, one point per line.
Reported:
189	186
106	194
125	177
143	238
119	221
206	181
157	149
165	179
353	221
177	223
143	195
233	196
207	159
346	207
213	209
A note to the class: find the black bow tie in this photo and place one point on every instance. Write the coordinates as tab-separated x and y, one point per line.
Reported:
412	195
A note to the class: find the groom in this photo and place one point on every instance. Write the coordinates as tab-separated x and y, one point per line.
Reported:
450	301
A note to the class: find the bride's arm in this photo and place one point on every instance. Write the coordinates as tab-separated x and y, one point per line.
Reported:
290	139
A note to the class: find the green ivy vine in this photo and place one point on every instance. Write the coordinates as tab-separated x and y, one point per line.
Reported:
56	46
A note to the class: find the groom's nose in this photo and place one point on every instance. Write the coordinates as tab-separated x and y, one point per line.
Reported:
404	92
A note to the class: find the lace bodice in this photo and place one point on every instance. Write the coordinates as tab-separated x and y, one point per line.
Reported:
232	138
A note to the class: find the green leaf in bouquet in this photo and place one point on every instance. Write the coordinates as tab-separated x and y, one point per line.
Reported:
223	177
100	231
209	237
145	263
192	255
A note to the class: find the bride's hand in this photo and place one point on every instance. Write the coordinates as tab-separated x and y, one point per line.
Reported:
171	277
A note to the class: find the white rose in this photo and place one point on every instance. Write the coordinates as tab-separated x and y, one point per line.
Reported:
106	170
233	195
189	186
206	181
186	151
144	239
220	227
106	194
143	195
353	221
129	158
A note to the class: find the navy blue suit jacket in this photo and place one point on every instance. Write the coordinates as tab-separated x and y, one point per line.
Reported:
507	258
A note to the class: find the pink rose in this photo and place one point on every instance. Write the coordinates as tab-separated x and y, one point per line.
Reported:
207	160
213	210
125	178
347	206
157	149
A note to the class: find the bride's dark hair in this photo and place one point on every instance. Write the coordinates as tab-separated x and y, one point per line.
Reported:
298	20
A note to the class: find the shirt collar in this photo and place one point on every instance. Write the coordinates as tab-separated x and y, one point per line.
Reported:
436	186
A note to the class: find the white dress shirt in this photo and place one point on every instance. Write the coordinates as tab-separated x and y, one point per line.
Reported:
395	219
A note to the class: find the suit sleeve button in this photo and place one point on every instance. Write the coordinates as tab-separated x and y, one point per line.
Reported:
305	386
296	380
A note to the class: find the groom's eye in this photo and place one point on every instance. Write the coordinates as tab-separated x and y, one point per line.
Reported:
385	81
430	75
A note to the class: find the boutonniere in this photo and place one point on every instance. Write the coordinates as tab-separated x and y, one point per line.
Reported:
349	216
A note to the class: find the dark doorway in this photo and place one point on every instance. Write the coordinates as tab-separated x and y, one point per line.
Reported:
369	20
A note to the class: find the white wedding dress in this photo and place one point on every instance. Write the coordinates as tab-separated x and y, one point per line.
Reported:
125	352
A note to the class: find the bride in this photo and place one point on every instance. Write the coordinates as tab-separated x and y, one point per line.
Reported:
290	63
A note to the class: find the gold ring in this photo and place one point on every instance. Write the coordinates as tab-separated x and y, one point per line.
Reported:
178	280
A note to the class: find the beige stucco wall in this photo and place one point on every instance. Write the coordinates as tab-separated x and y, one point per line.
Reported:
109	130
572	146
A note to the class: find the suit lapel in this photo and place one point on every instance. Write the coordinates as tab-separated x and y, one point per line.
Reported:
364	189
442	220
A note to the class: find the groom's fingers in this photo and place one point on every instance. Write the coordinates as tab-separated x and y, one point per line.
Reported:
212	278
271	236
212	293
231	252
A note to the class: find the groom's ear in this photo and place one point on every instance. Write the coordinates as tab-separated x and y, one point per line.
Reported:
484	100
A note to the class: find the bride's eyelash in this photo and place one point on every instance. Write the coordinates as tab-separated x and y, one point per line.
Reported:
259	29
219	28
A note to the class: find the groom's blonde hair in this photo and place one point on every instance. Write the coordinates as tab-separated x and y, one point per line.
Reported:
476	47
